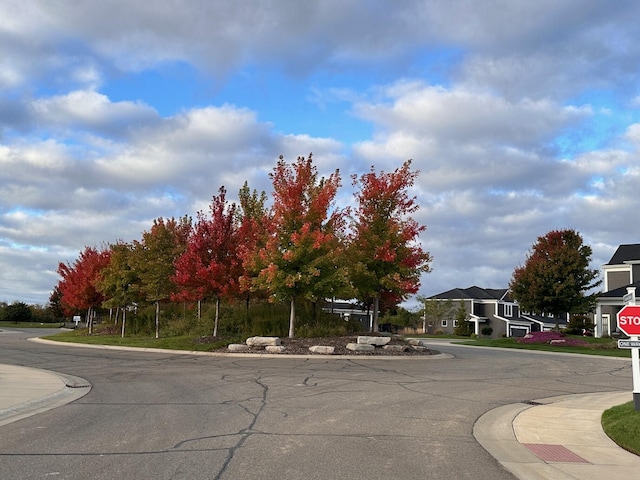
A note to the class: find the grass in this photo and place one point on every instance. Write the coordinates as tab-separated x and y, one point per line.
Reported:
178	342
595	346
30	325
622	424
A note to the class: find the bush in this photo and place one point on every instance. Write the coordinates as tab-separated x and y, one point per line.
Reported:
547	337
486	331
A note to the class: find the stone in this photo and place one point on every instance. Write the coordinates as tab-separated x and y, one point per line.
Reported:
275	348
395	348
360	347
417	341
238	347
557	342
322	349
262	341
419	348
376	341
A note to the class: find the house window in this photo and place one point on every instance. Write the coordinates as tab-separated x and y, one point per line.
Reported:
508	310
444	323
455	323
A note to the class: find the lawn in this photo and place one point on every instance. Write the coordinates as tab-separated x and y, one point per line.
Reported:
622	424
29	325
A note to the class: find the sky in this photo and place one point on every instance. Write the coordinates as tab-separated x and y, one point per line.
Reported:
522	117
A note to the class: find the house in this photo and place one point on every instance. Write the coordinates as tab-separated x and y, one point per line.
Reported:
621	279
350	311
493	308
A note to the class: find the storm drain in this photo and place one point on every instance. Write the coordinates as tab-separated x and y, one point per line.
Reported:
554	453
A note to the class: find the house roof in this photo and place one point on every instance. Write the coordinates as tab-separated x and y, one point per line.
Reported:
625	253
475	293
619	292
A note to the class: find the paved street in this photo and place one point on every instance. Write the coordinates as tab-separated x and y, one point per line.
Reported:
165	416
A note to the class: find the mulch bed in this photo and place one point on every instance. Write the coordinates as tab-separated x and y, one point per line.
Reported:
300	346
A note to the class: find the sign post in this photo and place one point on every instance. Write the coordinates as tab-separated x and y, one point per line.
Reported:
629	323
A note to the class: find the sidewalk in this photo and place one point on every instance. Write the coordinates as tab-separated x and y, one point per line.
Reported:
557	438
27	391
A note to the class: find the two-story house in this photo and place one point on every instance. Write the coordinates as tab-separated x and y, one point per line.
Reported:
621	275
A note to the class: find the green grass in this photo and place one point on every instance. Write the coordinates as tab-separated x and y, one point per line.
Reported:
179	342
30	325
597	346
622	424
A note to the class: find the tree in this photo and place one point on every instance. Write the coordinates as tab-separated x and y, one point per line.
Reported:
435	311
211	266
252	237
18	312
463	325
153	259
556	276
384	254
78	284
118	280
302	254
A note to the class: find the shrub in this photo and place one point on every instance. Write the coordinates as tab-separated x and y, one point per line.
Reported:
548	337
486	331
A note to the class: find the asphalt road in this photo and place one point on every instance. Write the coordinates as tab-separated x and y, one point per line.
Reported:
164	416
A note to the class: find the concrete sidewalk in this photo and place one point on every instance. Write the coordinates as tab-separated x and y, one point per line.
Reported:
27	391
558	438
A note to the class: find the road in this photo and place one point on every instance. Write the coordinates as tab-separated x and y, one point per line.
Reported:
154	415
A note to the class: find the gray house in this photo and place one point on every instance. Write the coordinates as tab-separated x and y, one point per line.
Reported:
621	277
494	308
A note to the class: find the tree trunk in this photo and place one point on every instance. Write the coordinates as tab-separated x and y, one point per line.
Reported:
89	321
157	318
199	310
376	305
124	319
292	318
215	321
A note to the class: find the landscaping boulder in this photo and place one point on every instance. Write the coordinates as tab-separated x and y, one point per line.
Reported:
360	347
376	341
322	349
275	348
395	348
262	341
238	347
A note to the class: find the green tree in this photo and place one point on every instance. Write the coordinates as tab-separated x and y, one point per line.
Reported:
463	325
434	312
18	312
384	253
118	280
153	260
302	255
556	276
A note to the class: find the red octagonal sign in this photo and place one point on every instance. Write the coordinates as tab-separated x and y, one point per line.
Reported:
629	320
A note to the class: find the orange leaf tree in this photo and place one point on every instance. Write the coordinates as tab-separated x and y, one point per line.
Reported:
302	255
385	257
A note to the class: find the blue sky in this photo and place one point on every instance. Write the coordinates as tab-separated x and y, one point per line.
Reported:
521	116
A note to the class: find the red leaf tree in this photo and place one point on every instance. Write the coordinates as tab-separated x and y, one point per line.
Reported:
302	253
386	259
78	286
211	265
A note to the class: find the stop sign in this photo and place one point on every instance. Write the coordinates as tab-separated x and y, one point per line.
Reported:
629	320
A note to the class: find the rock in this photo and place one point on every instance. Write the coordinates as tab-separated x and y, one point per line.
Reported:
557	342
395	348
360	347
322	349
417	341
262	341
238	347
275	348
376	341
419	348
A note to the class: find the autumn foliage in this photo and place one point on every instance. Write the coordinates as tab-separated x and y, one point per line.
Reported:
301	247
